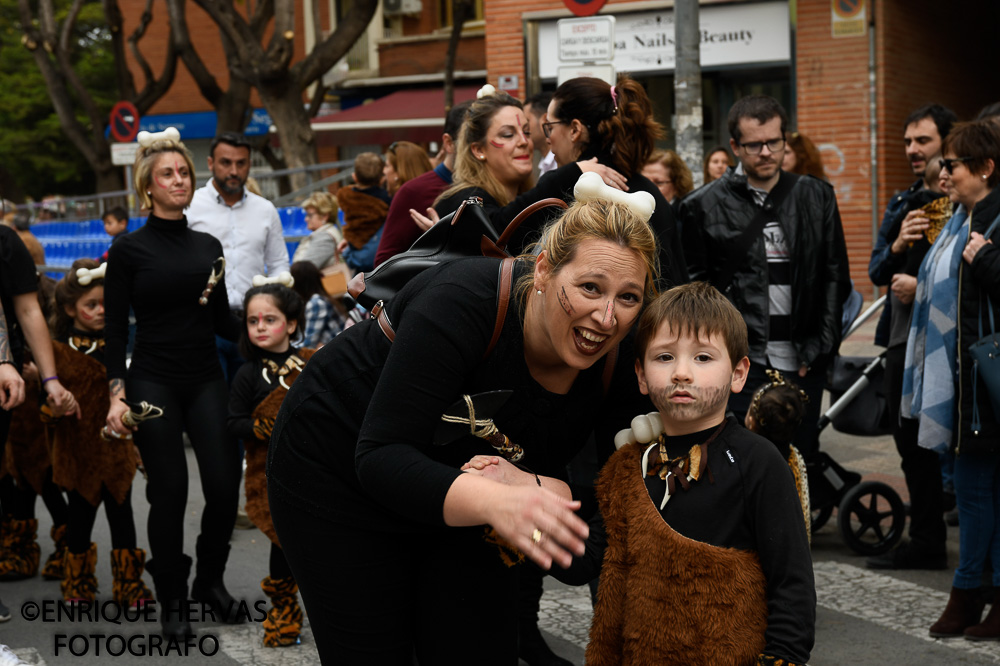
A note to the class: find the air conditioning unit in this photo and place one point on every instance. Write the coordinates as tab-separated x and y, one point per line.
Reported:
400	7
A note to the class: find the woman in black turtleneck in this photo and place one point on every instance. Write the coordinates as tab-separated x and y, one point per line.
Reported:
161	272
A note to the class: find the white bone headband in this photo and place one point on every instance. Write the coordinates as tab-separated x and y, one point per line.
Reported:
591	187
87	275
146	138
283	277
486	91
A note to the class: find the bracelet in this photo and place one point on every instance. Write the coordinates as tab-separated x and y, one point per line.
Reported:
5	361
49	379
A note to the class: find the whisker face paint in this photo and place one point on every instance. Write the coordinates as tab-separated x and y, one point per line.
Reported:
496	144
609	314
564	302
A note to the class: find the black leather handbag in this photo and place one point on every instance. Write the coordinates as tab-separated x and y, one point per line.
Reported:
467	232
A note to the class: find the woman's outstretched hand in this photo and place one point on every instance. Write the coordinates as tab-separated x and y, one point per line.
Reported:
427	221
607	174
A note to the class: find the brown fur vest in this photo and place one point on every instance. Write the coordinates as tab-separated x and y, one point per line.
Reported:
26	457
81	460
255	480
663	598
364	215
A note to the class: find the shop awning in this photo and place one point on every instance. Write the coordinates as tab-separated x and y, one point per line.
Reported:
405	115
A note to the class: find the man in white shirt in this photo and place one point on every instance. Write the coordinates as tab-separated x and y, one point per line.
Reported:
247	225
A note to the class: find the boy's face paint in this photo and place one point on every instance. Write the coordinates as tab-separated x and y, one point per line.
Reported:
689	379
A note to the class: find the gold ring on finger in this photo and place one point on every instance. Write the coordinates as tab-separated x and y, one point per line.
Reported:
536	536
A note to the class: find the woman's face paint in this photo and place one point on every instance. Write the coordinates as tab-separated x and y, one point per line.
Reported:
609	314
171	185
508	148
564	302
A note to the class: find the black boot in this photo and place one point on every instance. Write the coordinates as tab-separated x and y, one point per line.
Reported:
171	582
208	586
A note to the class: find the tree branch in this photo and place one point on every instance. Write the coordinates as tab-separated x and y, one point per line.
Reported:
207	84
325	55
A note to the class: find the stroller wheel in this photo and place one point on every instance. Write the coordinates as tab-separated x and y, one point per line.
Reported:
820	518
871	517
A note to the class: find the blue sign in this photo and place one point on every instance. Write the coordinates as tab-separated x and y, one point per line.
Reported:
201	124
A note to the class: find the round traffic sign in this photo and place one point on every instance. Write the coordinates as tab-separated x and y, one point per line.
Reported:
848	9
584	7
124	122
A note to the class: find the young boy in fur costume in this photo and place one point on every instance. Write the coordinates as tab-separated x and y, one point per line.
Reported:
705	553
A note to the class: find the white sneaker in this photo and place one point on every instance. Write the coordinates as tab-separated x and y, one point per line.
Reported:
8	658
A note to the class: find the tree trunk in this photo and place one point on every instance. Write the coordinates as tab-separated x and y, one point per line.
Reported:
687	87
460	12
291	118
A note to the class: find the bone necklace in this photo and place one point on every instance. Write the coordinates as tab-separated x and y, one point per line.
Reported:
84	344
292	364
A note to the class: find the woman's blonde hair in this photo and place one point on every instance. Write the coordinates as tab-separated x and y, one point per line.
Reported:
145	160
470	172
324	203
600	220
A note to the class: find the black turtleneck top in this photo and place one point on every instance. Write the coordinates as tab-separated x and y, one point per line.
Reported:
160	271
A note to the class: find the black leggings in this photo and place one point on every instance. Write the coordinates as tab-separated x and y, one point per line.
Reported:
19	500
81	521
278	566
379	598
200	410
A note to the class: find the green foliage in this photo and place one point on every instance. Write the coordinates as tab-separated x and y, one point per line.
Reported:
33	148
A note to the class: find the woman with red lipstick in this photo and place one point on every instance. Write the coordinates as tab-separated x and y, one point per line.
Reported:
163	272
396	551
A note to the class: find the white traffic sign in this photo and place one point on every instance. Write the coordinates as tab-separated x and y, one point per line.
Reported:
587	39
123	154
603	72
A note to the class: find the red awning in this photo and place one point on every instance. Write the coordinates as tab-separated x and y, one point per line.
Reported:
406	115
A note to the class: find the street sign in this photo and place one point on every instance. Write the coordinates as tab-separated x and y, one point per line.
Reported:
603	72
587	39
584	7
848	18
124	121
123	154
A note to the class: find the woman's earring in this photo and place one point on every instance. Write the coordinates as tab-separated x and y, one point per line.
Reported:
538	291
148	193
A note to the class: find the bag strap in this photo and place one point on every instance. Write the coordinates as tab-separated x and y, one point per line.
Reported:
989	303
504	289
776	197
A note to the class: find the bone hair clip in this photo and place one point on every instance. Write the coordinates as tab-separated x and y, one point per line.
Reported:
147	138
218	270
87	275
284	277
591	187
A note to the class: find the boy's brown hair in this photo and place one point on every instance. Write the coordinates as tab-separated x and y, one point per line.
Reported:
697	309
368	169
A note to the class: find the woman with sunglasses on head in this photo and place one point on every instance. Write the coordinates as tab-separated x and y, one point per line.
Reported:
173	279
961	271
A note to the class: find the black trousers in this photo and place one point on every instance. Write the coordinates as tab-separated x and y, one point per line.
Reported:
200	410
82	515
376	598
19	501
921	467
807	436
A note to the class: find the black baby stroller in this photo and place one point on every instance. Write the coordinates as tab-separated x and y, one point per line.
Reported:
871	515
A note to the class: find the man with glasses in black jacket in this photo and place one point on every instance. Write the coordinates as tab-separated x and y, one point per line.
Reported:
772	241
